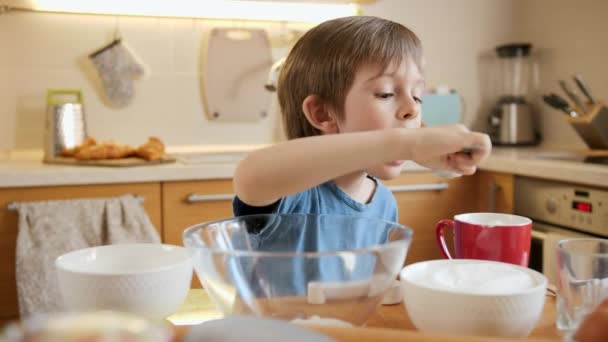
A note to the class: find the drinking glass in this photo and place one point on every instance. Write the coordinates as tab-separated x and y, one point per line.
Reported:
582	281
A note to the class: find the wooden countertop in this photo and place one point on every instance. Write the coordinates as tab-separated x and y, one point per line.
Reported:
388	323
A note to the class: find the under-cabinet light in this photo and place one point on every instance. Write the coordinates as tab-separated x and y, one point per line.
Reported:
211	9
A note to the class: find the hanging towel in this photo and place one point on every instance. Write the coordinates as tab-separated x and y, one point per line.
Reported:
48	229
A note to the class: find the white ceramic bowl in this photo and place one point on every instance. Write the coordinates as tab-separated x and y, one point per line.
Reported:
440	309
151	280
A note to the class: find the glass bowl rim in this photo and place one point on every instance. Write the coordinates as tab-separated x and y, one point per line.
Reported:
562	247
243	252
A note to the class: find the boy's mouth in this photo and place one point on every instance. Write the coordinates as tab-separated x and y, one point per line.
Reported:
396	162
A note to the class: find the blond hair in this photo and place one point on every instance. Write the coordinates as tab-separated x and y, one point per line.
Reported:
324	61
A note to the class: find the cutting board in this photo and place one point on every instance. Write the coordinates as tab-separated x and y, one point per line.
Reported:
235	65
123	162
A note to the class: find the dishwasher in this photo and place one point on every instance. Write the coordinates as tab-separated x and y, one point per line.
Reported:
559	211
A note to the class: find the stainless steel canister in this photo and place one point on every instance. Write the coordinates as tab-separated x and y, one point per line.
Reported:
65	121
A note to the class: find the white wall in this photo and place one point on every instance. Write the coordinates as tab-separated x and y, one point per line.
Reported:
41	51
457	36
569	37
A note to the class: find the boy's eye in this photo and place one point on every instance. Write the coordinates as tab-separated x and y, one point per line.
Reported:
417	99
384	95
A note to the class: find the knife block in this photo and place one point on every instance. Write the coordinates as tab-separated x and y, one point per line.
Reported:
592	126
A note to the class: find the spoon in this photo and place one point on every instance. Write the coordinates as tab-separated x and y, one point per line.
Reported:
469	150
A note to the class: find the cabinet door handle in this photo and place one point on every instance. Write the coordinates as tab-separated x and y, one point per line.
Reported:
492	190
418	187
196	198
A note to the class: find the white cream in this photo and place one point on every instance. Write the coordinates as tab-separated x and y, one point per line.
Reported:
481	278
495	223
493	219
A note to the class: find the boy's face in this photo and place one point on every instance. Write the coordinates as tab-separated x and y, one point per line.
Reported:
382	99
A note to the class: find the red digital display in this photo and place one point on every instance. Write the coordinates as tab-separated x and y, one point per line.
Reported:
582	206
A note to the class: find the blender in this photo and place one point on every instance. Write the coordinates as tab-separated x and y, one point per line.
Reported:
512	121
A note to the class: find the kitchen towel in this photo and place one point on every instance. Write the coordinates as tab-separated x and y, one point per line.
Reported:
48	229
117	67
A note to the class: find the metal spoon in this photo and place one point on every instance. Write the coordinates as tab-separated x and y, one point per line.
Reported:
469	150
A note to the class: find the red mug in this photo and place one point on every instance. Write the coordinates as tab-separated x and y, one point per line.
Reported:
488	236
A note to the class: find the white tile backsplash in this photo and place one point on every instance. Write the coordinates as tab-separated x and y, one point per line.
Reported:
570	36
151	41
49	50
186	38
44	41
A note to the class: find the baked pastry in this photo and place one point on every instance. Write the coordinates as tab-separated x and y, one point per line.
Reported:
153	149
90	149
108	150
70	152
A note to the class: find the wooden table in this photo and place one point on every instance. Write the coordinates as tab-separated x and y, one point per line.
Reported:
389	323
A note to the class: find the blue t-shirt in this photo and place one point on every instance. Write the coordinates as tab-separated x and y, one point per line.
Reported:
327	198
289	277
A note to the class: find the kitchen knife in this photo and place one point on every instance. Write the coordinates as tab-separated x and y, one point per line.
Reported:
572	96
559	103
581	84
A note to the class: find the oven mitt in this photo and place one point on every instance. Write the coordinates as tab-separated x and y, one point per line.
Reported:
117	68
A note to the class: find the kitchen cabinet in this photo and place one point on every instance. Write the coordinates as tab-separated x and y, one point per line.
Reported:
422	197
190	202
151	193
423	200
495	192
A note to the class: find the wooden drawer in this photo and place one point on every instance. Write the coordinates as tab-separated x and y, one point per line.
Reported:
9	224
423	202
188	203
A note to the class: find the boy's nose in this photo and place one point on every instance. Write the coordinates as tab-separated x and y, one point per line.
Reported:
408	112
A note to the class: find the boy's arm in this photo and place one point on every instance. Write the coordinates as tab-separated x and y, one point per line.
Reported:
269	174
266	175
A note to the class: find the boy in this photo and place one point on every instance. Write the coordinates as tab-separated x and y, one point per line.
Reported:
349	93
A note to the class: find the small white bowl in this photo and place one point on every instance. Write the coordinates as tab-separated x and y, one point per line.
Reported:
466	311
151	280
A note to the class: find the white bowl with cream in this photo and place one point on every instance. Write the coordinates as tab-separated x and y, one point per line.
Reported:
150	280
473	297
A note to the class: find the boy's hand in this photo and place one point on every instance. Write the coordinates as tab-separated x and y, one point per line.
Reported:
594	327
441	148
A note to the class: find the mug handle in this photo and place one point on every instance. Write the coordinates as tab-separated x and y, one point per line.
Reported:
441	226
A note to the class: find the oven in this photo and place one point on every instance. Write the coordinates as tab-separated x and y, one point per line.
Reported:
559	211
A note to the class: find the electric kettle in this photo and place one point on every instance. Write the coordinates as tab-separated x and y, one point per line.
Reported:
512	123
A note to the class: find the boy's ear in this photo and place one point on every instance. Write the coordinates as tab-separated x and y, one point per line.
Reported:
319	115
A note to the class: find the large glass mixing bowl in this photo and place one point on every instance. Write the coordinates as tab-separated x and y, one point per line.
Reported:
296	266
